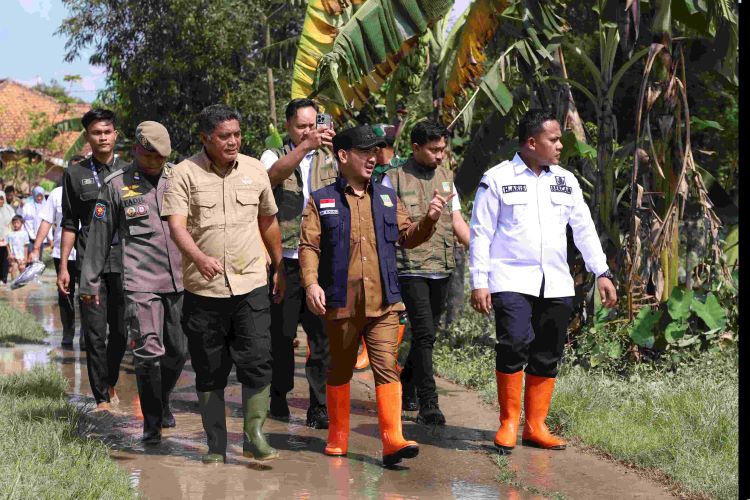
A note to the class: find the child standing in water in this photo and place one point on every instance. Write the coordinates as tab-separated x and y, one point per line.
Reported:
18	247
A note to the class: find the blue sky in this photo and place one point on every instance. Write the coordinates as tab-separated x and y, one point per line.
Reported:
31	52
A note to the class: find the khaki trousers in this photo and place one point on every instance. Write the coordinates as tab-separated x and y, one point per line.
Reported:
381	338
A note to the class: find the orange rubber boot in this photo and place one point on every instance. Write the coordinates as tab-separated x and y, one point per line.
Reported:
337	400
536	404
363	360
395	447
509	388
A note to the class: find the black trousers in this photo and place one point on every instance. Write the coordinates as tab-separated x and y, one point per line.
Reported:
66	304
531	331
284	319
225	331
4	264
104	351
425	302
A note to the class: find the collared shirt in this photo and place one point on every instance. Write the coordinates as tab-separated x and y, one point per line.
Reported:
364	286
128	205
80	191
268	158
52	213
518	231
222	212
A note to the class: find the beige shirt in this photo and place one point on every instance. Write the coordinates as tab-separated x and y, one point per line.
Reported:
222	213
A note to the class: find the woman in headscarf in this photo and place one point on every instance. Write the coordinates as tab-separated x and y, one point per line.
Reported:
32	214
6	214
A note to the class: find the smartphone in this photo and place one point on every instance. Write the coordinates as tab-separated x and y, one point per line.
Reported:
323	120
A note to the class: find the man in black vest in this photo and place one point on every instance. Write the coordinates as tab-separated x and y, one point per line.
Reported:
348	267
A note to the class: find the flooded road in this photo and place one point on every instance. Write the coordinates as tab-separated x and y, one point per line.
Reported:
453	460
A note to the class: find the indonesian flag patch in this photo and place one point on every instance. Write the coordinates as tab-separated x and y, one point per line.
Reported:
327	203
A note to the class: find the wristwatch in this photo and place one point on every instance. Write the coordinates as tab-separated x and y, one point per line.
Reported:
607	274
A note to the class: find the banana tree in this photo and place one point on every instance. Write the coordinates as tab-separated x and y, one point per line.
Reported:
659	194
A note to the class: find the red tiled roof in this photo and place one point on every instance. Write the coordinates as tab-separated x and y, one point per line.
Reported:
19	104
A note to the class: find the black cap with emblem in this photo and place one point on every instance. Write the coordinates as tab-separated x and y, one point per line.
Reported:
361	137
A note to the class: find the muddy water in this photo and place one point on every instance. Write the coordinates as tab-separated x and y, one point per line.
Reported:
451	463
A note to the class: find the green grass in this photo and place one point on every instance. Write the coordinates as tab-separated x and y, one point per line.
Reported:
43	454
683	424
18	327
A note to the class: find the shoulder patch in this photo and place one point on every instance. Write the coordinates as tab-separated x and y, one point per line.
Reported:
100	210
115	174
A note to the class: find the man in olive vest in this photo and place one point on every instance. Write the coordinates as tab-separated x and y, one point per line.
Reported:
387	158
302	166
424	271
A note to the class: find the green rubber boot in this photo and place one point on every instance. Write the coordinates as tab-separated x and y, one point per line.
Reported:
215	424
255	405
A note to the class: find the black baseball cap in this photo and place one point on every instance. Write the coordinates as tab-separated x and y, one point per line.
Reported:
361	137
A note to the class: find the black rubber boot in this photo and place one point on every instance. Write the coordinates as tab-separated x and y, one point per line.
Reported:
148	379
254	403
430	414
279	407
317	417
215	424
169	376
409	397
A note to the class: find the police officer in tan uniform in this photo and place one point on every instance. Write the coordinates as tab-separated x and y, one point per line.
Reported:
221	213
424	272
128	205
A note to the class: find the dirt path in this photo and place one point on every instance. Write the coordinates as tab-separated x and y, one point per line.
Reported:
454	461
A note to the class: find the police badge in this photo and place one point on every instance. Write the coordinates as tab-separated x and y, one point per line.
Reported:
560	180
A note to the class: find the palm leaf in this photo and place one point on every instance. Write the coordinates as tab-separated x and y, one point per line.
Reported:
368	48
75	148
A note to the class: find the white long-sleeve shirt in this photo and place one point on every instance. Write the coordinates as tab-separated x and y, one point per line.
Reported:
518	229
52	213
31	214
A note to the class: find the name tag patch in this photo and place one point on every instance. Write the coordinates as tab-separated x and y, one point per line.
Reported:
327	203
446	186
561	189
514	188
86	182
136	211
386	200
329	212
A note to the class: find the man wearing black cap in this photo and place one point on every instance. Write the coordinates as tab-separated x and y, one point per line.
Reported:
348	268
129	205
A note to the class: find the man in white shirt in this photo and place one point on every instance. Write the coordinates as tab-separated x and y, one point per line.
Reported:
302	166
518	266
51	214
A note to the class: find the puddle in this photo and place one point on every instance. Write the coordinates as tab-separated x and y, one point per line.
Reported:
450	465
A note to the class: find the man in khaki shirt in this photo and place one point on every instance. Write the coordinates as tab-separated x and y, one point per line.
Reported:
221	214
347	253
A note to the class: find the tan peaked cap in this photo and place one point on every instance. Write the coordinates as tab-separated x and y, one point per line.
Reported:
154	137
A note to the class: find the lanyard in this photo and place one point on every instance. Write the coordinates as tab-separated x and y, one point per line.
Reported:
93	171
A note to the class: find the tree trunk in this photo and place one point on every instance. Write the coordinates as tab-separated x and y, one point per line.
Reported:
269	75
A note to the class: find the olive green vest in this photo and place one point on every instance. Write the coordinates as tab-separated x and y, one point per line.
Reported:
290	198
415	186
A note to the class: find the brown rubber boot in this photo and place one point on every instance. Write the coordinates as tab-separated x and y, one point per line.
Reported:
337	400
536	405
509	388
395	447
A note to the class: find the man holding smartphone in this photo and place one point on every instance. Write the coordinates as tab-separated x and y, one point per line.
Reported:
303	165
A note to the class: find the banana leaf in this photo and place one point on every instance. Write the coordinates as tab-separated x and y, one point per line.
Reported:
323	20
368	48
